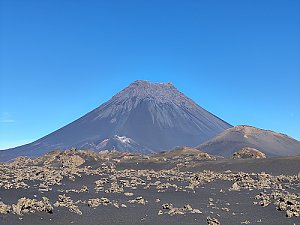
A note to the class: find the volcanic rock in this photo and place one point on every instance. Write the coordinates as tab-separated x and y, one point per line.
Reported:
212	221
26	205
65	201
177	211
4	209
248	153
184	154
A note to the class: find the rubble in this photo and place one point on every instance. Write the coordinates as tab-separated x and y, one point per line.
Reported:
138	200
84	188
264	199
26	205
235	187
171	210
212	221
4	209
64	201
94	202
283	200
128	194
51	172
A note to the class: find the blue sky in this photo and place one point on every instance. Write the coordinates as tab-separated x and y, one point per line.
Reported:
60	59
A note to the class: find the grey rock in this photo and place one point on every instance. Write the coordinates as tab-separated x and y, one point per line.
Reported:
212	221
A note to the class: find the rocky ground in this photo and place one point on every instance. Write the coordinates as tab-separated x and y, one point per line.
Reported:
183	186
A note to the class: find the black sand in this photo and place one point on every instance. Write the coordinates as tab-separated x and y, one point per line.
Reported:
206	197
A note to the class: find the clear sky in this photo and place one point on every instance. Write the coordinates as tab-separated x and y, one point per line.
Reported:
60	59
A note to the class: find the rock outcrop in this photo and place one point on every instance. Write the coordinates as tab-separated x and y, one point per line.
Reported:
27	205
248	153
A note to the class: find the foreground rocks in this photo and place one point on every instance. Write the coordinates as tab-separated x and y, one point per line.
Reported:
168	208
4	209
115	181
212	221
26	205
64	201
282	200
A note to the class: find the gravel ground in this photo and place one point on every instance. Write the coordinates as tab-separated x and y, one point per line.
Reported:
211	196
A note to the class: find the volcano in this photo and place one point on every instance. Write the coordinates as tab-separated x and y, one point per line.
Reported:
236	138
143	117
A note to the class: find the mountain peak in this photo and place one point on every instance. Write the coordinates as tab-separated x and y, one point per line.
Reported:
159	92
149	83
144	85
144	116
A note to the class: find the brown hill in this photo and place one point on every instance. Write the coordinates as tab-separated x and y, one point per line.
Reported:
269	142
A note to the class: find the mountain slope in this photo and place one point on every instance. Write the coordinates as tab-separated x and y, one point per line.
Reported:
123	144
153	115
235	138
